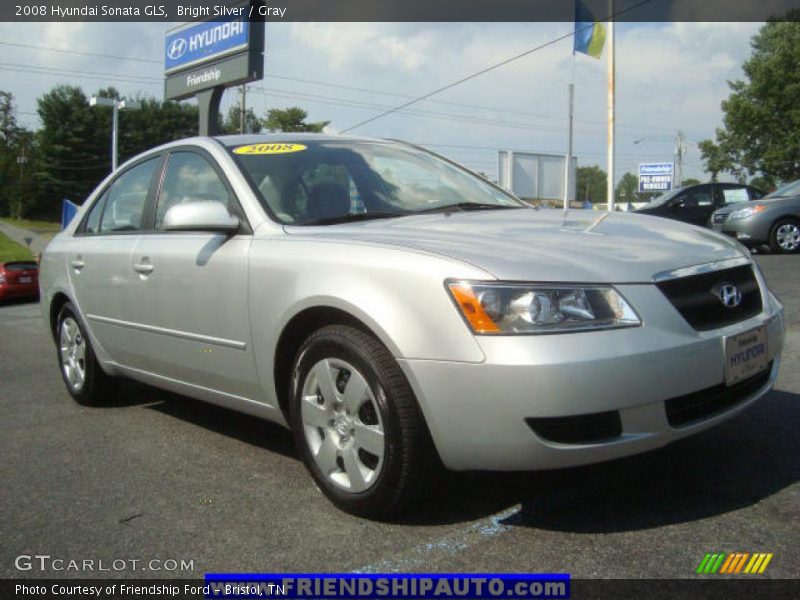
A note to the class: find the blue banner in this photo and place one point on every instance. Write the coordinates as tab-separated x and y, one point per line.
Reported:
201	42
68	211
308	586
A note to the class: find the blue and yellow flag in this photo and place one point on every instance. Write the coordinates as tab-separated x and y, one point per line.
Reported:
589	34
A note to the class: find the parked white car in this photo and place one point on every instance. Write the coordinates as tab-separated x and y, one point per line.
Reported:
394	309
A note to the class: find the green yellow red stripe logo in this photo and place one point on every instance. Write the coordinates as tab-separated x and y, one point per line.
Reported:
734	562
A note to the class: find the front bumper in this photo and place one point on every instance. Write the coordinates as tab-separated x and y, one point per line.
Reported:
751	231
477	412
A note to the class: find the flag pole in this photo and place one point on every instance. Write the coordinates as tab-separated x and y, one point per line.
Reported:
611	108
568	162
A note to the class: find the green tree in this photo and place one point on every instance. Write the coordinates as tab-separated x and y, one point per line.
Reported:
761	131
690	181
11	147
74	142
291	119
763	184
627	188
717	158
74	148
233	121
591	184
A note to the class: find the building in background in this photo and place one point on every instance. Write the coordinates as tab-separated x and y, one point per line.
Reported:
536	178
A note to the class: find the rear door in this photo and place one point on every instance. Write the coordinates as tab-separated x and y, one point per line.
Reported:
99	256
694	206
189	291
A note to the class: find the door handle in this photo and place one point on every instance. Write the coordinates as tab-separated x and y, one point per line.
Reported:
77	264
143	268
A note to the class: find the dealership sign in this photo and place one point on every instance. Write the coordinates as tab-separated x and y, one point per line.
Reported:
202	42
656	177
218	53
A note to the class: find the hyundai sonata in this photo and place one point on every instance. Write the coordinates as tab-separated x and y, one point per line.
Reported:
396	310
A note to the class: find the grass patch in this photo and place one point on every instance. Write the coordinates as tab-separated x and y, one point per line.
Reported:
40	227
10	250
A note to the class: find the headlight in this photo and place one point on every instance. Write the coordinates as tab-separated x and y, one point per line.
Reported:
747	211
501	308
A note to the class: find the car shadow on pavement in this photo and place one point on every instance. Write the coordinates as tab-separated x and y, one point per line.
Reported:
245	428
732	466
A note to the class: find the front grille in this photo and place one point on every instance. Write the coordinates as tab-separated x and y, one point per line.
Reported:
696	297
706	403
578	429
720	217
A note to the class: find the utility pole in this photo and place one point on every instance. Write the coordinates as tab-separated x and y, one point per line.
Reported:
243	110
679	150
22	160
568	162
611	107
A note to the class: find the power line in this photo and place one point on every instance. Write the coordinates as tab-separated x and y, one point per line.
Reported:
484	71
79	52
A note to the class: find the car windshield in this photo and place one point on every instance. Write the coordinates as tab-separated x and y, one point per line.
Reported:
329	181
665	197
790	189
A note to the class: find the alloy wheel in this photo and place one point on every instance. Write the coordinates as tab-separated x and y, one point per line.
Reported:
72	346
788	237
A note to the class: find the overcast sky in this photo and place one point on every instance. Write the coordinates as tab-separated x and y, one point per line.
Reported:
670	76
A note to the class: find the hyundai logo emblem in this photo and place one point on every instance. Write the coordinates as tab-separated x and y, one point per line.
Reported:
177	48
729	295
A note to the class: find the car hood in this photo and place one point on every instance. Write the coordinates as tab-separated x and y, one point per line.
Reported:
545	245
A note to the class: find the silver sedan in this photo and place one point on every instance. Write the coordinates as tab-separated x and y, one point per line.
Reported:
397	311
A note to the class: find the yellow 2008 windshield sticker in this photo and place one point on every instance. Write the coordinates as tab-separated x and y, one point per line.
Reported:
278	148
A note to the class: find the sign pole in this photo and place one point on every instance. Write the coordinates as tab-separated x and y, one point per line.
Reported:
568	162
611	108
208	103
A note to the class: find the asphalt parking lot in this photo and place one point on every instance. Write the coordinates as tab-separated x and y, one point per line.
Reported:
159	476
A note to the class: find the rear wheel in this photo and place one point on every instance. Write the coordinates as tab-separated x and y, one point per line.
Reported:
356	422
85	380
785	236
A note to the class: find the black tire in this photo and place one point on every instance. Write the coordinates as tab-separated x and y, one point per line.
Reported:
96	388
407	447
773	236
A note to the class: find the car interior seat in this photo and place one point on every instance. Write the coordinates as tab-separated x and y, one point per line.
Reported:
327	201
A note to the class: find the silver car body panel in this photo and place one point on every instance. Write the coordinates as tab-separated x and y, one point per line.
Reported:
756	229
206	321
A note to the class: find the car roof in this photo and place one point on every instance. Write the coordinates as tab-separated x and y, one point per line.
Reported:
272	138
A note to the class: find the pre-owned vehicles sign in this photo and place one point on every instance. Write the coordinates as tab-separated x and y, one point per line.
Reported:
656	177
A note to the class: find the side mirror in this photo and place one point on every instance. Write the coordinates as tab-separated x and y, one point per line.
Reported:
200	216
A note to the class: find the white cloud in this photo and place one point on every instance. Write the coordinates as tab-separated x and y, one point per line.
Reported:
670	76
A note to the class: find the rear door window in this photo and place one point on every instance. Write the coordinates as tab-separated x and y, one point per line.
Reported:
124	207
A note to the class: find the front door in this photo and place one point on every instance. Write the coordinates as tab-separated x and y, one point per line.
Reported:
190	289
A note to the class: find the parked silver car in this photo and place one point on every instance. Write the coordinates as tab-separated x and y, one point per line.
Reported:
773	221
394	309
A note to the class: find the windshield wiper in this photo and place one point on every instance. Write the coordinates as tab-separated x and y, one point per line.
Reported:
353	218
466	206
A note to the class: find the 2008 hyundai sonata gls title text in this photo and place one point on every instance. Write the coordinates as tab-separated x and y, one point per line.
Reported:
394	309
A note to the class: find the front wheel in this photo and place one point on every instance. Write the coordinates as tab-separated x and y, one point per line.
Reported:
356	422
85	380
785	236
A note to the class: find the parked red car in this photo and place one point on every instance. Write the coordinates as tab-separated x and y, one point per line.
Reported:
19	279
